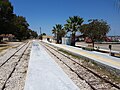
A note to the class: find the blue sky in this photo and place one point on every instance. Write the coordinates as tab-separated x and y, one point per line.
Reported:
47	13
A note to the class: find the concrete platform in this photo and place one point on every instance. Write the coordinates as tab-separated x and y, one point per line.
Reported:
44	73
102	58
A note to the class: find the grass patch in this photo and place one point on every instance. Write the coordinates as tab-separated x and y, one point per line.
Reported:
68	53
88	48
3	45
4	48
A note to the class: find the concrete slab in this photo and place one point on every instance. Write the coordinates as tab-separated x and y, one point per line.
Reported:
44	73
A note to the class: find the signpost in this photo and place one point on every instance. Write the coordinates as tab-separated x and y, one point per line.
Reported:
110	47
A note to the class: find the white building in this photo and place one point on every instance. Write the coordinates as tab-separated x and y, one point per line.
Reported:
47	38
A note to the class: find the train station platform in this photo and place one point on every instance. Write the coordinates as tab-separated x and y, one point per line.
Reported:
44	73
102	58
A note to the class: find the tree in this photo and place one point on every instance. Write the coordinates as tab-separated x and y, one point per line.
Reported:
21	27
33	34
6	16
96	30
58	32
41	36
54	31
12	24
44	34
73	25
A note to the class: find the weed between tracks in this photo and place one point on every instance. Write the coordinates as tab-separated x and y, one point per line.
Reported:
102	71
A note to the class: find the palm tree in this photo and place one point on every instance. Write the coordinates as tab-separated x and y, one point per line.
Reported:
73	25
54	31
58	32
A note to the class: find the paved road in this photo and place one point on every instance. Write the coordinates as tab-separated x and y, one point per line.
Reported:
44	73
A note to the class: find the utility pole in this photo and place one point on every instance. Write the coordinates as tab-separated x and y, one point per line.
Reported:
40	31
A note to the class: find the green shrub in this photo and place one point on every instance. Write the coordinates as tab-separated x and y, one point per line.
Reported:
88	48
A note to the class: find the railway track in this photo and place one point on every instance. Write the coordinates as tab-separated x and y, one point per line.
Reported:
11	54
95	81
8	65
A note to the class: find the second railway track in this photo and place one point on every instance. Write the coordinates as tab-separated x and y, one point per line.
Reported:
8	65
94	80
7	57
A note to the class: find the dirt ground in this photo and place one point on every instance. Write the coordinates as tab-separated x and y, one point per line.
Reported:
115	47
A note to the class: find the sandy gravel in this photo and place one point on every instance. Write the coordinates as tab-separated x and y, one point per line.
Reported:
17	80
